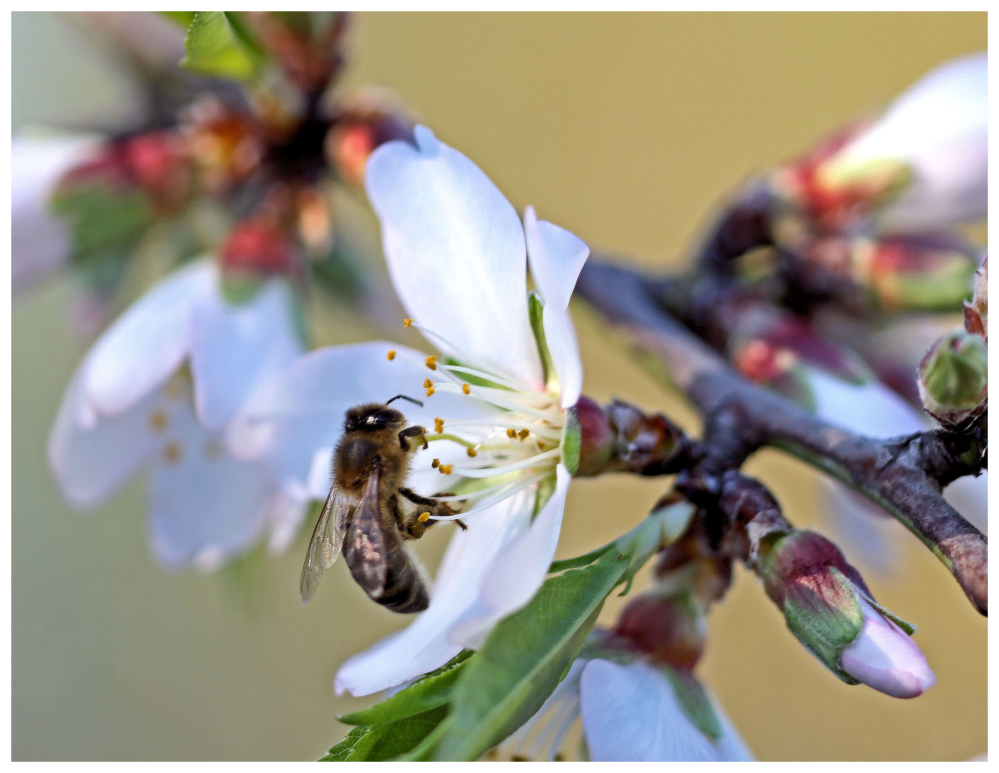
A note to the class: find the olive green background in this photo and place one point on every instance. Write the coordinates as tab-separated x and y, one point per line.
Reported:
626	129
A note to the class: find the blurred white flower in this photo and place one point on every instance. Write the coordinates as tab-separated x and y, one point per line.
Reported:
928	152
885	657
124	410
630	713
457	253
40	241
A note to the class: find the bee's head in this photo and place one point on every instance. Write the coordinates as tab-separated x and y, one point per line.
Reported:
372	417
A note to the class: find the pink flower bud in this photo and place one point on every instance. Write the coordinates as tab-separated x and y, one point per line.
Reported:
884	657
257	246
671	630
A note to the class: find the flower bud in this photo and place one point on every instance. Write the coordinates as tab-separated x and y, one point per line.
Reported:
671	629
976	313
258	247
953	377
225	146
595	436
885	657
829	609
369	119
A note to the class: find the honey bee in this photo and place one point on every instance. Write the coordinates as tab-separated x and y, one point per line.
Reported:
364	514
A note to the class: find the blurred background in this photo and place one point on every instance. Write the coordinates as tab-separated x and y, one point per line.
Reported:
628	130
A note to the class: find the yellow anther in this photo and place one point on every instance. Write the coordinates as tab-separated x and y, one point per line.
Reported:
435	463
471	452
431	362
427	383
424	517
158	421
172	453
391	354
438	425
523	433
407	322
465	388
511	433
446	469
430	391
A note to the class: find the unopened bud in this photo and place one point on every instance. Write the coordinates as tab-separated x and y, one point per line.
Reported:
976	313
824	599
595	436
930	272
953	377
369	119
258	247
670	629
226	146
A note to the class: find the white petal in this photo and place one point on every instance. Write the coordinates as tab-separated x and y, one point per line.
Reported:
560	336
631	714
970	497
866	533
204	505
91	464
147	343
301	411
236	349
40	242
556	257
562	698
286	514
870	409
516	572
456	253
424	645
884	657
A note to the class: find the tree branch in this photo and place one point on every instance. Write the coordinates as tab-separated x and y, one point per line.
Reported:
896	474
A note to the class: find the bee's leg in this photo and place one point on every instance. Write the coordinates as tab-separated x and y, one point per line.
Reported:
427	505
412	432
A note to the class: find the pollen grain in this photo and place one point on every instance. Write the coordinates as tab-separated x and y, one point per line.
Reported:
391	354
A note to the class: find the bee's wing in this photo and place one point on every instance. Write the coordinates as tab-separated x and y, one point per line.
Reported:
327	539
366	546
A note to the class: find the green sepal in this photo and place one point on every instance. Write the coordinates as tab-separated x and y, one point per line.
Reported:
389	740
944	289
239	287
536	312
694	701
525	658
219	44
427	693
572	441
339	752
546	487
107	221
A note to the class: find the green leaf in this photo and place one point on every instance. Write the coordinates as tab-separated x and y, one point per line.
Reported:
583	560
105	219
525	658
339	752
392	739
219	44
182	19
429	692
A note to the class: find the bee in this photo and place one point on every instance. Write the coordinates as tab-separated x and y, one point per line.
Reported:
364	516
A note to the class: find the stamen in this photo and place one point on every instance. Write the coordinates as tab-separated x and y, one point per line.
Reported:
424	517
489	472
438	426
458	354
435	463
427	383
523	433
452	438
391	354
502	399
431	362
430	391
407	323
471	452
483	375
466	388
446	469
511	433
507	490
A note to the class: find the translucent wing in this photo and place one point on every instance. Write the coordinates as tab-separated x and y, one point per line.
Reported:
366	548
327	539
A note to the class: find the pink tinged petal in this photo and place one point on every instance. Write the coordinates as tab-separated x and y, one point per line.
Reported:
970	497
516	572
884	657
870	409
456	254
631	714
236	349
91	463
425	645
147	343
40	242
204	505
301	411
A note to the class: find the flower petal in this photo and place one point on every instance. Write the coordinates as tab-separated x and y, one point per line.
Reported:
147	343
91	463
40	241
236	349
516	572
538	738
456	253
631	714
560	336
870	409
556	257
204	505
301	411
424	645
884	657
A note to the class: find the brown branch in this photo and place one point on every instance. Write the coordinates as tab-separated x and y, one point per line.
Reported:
894	474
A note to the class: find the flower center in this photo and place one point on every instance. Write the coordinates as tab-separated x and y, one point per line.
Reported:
514	448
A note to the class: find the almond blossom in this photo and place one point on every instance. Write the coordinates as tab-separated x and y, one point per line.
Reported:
497	394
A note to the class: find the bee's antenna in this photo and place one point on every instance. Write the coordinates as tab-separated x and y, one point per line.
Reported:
404	397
